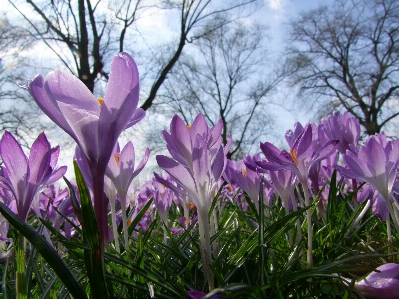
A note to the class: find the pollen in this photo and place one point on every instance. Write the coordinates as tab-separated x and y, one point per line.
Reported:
117	157
244	172
293	156
100	101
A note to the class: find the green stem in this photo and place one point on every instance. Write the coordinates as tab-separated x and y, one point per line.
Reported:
22	286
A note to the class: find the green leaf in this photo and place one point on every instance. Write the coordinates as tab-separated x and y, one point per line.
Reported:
46	250
140	215
94	258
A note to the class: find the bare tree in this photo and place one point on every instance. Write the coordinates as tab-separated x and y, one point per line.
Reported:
348	55
224	77
93	33
15	114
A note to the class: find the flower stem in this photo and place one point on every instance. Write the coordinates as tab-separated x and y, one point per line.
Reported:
115	227
309	221
21	281
205	247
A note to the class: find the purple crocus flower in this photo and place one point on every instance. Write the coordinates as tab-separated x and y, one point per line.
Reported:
95	124
199	163
344	128
245	178
375	163
23	177
200	158
121	170
301	158
382	283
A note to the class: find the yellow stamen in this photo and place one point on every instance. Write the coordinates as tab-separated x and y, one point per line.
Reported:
117	157
189	127
192	207
293	156
244	172
229	187
100	101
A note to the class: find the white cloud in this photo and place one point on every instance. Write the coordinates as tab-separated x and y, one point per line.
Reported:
275	4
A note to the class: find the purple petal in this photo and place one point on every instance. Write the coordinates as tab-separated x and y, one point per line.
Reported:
382	283
218	165
47	105
304	146
200	127
15	162
273	154
168	184
201	161
375	157
324	152
138	115
179	173
142	163
79	108
215	133
57	174
181	138
55	152
123	83
173	150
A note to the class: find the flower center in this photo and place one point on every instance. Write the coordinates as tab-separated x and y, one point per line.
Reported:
100	101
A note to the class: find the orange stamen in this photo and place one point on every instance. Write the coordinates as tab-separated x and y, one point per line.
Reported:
189	127
192	207
293	156
244	172
100	101
117	157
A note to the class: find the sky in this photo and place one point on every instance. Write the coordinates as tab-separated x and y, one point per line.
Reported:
274	14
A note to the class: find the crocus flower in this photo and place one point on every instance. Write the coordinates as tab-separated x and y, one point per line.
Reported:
121	170
381	283
23	177
247	179
95	124
344	128
375	164
301	158
199	163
